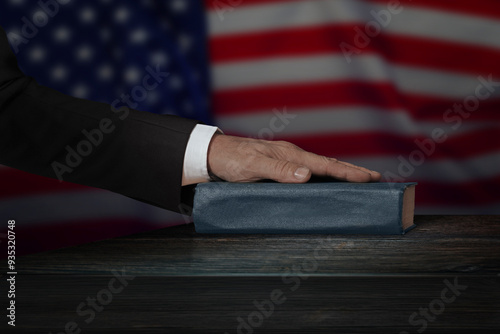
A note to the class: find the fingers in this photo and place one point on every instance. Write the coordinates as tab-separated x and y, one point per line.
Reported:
281	170
238	159
375	176
324	166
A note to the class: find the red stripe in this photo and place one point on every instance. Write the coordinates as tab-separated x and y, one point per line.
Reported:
480	192
433	108
47	236
375	144
226	4
428	53
341	94
488	8
19	183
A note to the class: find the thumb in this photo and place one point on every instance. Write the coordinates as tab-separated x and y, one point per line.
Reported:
286	171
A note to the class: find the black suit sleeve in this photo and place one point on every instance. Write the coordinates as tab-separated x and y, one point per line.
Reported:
137	154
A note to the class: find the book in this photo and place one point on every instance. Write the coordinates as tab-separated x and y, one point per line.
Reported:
326	207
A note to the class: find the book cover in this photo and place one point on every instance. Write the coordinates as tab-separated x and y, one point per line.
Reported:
326	207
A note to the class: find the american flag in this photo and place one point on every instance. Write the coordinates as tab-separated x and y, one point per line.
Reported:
408	88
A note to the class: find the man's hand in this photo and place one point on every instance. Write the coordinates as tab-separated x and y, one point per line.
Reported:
238	159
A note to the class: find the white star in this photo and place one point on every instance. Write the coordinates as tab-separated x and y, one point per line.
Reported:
153	97
13	30
159	58
188	107
178	5
105	34
62	34
165	25
87	15
132	75
105	72
121	15
84	53
139	35
37	54
185	42
16	2
59	72
196	75
117	53
175	82
80	91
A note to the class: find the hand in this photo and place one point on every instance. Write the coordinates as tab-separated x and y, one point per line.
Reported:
238	159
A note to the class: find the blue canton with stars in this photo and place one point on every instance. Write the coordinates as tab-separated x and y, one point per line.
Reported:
101	50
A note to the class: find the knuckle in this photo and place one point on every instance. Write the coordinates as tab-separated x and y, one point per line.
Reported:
286	144
282	168
258	146
327	163
333	167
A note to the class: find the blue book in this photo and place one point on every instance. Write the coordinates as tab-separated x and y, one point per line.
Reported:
325	207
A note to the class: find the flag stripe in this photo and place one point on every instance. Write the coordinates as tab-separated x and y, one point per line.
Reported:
262	99
383	143
404	50
488	8
76	204
78	231
412	21
442	172
449	209
299	122
21	183
327	68
471	193
235	4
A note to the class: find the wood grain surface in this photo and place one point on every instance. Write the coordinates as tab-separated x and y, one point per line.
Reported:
184	282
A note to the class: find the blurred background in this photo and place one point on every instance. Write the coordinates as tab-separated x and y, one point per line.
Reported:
408	88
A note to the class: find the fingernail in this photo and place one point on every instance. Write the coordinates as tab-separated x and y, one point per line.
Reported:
301	173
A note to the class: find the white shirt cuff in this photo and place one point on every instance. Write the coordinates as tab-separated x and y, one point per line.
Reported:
195	159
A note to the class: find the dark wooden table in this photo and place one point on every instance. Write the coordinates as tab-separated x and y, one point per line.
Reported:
442	277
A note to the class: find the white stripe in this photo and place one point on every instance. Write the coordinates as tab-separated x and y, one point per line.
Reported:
414	21
327	68
291	14
444	170
244	74
298	122
84	205
442	25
